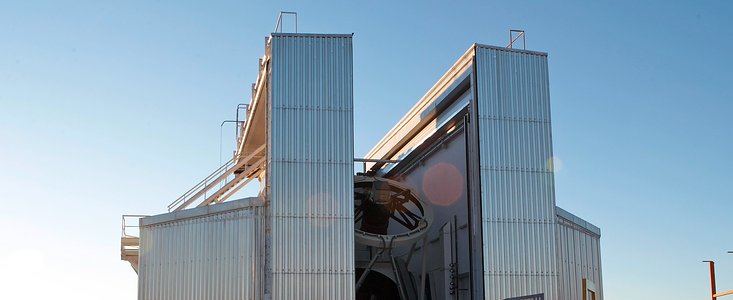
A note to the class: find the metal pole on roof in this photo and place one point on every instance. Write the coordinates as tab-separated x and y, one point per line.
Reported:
513	38
278	25
221	135
712	278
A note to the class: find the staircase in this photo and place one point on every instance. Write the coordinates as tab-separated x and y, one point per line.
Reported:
232	176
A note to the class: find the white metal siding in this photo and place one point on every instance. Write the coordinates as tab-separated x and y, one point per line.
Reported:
517	192
579	256
310	167
216	256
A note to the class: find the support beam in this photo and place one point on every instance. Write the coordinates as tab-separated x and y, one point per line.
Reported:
723	294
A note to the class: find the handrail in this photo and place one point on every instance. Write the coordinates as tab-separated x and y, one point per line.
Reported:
221	173
202	182
235	184
125	226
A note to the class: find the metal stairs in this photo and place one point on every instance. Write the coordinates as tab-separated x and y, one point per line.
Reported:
230	178
234	175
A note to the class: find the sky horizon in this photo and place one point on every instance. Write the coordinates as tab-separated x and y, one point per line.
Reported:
111	108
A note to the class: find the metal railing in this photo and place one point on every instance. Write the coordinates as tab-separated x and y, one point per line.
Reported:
219	175
130	240
131	228
203	184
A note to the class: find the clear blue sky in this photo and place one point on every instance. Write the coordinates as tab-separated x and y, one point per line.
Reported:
112	107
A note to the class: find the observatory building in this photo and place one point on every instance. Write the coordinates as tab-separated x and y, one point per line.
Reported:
457	201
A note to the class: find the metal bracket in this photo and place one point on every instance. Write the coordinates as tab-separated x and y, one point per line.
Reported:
364	161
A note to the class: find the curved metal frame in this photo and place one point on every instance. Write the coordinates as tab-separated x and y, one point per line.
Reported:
416	224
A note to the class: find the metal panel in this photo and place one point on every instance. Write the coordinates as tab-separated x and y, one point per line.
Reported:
192	254
517	184
579	255
443	169
310	167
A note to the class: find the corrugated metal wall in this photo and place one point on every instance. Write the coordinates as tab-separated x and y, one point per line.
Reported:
215	256
517	192
579	256
310	167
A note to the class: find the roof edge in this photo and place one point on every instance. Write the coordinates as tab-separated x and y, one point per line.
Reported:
511	49
561	213
295	34
202	211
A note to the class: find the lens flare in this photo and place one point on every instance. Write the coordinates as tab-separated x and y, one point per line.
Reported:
554	164
442	184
